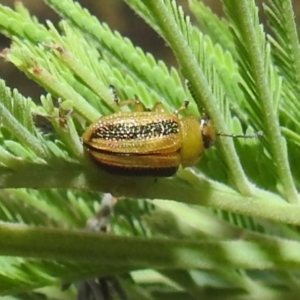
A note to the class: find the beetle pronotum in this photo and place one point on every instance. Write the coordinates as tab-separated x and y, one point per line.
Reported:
152	143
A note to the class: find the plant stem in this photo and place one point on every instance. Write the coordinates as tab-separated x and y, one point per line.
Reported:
257	55
195	75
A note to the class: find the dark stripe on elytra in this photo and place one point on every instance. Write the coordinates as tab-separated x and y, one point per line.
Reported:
137	171
125	132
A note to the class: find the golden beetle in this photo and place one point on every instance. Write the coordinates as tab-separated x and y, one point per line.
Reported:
151	143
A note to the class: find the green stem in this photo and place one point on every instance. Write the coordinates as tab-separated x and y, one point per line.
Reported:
137	253
292	33
257	59
201	88
197	191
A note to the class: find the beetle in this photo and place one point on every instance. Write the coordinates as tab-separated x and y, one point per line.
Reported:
150	143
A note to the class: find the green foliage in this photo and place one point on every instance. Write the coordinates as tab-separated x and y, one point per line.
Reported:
225	229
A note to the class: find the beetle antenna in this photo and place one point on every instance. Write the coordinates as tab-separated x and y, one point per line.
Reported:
114	93
245	136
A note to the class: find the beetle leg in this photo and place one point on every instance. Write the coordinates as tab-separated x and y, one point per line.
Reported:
183	107
137	104
158	107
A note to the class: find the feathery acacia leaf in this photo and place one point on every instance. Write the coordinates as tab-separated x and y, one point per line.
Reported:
168	247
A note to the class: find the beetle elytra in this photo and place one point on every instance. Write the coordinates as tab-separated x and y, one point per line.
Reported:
150	143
